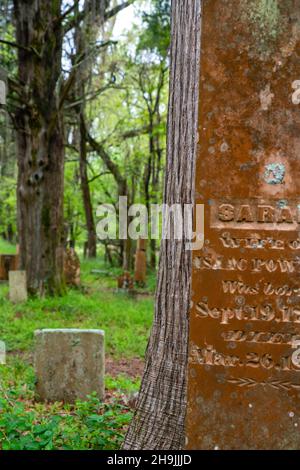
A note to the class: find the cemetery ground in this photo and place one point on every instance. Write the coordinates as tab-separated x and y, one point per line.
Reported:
26	423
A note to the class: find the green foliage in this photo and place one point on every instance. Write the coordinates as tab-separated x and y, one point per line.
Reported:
29	425
7	204
122	383
156	35
89	426
7	248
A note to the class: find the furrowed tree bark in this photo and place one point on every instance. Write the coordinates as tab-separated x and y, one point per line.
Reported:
40	147
159	418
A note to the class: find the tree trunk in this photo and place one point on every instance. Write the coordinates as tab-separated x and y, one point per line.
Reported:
86	194
82	32
160	414
40	145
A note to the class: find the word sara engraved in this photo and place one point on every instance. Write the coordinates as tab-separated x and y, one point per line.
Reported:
251	214
263	214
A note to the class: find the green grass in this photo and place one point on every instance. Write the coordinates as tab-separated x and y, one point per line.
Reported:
27	424
126	321
6	248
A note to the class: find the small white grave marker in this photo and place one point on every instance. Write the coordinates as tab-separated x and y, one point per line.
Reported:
17	286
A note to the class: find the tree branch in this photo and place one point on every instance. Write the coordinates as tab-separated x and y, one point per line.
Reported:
114	11
111	166
98	176
135	132
15	45
73	22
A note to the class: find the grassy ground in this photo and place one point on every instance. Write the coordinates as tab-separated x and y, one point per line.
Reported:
7	248
28	424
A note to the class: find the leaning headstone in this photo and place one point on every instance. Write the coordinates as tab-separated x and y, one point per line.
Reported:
244	367
69	364
17	286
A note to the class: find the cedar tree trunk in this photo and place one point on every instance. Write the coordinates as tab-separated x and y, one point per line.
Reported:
159	419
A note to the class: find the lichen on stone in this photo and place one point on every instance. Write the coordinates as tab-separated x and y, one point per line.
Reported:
265	19
274	173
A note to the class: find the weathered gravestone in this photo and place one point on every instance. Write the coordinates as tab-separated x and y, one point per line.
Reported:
244	368
17	286
69	364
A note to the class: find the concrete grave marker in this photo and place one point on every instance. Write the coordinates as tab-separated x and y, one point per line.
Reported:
69	364
17	286
244	367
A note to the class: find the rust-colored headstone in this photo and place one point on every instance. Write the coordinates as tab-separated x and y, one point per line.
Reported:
125	281
244	367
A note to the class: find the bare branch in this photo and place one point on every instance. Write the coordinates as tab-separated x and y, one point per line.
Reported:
114	11
76	19
15	45
98	176
109	163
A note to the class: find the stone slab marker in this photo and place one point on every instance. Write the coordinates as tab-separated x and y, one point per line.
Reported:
69	364
244	368
17	286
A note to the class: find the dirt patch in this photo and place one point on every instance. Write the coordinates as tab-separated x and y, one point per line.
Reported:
131	367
